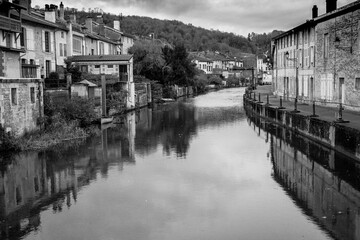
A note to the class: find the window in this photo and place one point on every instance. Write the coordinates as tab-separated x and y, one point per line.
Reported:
65	50
36	184
13	96
23	37
92	51
102	48
326	45
110	66
61	50
97	66
47	41
32	94
357	83
77	44
62	34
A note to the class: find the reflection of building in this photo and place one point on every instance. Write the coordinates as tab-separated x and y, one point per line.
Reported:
322	182
28	184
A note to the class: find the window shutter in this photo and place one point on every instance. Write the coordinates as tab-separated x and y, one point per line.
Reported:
43	40
51	41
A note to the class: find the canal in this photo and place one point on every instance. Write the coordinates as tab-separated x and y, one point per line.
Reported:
195	169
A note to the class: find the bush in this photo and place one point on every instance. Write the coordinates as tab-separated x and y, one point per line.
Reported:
53	76
7	142
77	108
200	83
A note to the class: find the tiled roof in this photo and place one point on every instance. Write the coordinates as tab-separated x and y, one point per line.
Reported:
32	18
101	58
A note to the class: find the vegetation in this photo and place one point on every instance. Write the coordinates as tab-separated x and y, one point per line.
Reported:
193	38
67	120
164	64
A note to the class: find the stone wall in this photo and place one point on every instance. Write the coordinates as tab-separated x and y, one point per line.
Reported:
21	108
343	59
336	136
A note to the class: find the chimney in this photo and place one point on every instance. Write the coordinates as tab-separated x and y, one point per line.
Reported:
62	11
315	12
50	13
89	24
117	25
73	18
100	21
331	5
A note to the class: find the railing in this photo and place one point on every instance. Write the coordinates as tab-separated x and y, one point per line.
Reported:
10	24
29	71
292	103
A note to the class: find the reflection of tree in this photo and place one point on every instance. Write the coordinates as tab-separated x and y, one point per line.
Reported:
172	125
175	124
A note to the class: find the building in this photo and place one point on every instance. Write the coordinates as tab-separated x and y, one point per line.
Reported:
21	104
203	63
11	40
124	64
263	69
319	59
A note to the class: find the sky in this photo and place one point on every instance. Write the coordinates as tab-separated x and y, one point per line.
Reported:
238	16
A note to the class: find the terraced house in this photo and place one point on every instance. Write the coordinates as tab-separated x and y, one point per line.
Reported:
319	59
36	42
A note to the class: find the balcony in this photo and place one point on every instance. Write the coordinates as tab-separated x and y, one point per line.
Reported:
10	24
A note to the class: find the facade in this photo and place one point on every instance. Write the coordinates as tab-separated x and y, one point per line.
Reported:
124	65
10	42
319	60
204	64
215	62
21	104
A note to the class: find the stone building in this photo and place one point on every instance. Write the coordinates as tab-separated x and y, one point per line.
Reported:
319	59
21	104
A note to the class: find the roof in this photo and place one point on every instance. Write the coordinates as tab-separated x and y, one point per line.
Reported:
101	58
35	19
340	11
88	83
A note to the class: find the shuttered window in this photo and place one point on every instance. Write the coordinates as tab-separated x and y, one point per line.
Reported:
77	44
47	41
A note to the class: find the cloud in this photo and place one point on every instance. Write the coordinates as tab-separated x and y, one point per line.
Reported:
238	16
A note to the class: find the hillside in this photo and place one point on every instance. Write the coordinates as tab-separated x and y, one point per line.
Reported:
194	38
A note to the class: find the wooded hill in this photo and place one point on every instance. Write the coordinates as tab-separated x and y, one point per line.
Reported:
194	38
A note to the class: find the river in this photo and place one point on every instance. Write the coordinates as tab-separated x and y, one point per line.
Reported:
193	169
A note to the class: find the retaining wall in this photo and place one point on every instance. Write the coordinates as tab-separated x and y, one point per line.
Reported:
336	136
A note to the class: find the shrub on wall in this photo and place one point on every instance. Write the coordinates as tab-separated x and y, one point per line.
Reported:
7	142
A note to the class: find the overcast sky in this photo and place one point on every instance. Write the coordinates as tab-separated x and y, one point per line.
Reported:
237	16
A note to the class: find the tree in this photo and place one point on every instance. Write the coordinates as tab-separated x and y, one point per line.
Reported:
182	69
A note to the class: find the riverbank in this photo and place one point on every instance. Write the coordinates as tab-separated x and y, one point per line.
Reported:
322	127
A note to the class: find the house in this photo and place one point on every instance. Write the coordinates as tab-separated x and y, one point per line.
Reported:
263	69
318	60
124	64
21	104
202	63
12	38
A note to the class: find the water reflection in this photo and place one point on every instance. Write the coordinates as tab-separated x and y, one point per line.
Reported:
324	183
31	183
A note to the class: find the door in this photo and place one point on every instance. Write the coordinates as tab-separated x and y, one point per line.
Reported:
47	68
311	90
286	88
341	90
